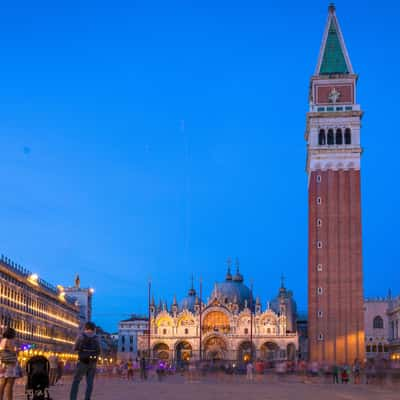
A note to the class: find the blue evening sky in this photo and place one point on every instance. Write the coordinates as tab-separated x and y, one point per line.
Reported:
100	176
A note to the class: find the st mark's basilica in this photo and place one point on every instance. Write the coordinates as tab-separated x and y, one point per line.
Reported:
231	325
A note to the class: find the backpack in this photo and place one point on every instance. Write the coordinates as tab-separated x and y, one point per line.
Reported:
88	349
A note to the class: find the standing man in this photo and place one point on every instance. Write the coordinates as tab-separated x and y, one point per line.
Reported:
88	347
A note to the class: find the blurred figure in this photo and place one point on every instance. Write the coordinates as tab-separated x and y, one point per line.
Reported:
143	372
249	372
129	366
53	361
191	371
356	371
8	364
335	374
370	372
345	374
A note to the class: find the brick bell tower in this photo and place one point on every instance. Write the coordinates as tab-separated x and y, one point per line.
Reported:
335	283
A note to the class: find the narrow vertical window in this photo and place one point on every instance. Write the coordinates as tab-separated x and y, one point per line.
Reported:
347	136
319	178
321	138
339	136
320	314
319	222
319	201
330	137
319	244
320	290
320	337
319	267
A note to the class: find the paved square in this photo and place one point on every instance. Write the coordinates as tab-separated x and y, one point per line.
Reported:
178	388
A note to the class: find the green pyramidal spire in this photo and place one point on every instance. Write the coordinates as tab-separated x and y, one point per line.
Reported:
333	61
333	57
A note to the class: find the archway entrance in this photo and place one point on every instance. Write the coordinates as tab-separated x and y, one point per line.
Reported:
269	351
214	349
216	321
245	352
183	353
291	352
161	352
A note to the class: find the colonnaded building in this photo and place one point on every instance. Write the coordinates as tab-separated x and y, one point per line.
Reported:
45	318
230	325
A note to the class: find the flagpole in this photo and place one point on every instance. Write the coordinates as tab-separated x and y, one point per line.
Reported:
201	326
149	315
251	322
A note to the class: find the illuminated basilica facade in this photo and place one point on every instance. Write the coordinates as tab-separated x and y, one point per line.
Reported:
231	325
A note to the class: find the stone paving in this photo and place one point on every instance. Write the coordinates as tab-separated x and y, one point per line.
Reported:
179	388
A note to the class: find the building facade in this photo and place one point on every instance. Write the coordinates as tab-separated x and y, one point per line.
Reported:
83	298
44	317
230	326
394	328
376	320
128	332
335	289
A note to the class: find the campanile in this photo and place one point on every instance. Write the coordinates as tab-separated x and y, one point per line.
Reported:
335	282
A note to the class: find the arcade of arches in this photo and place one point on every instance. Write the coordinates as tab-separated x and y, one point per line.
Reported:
230	326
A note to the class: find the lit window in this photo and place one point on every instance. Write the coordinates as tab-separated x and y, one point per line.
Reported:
319	244
319	178
319	267
320	290
319	200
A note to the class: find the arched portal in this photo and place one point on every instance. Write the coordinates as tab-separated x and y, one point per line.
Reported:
291	352
245	352
269	351
216	321
161	352
183	352
215	348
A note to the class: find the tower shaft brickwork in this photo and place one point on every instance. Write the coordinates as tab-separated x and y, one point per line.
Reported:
335	289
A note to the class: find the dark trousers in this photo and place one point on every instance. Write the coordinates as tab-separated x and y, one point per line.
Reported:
88	370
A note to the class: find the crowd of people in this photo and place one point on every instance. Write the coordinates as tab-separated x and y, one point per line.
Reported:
88	349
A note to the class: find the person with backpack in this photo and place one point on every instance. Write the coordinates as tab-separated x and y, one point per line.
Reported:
88	347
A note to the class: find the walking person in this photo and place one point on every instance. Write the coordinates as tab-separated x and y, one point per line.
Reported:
357	371
143	372
88	347
249	372
53	361
8	364
335	373
129	366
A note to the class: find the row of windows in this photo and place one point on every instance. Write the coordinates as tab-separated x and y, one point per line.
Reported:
13	297
380	348
331	138
130	349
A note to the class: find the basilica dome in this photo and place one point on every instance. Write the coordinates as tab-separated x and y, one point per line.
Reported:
188	302
233	290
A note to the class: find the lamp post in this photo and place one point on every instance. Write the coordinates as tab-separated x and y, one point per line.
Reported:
200	325
251	322
149	315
